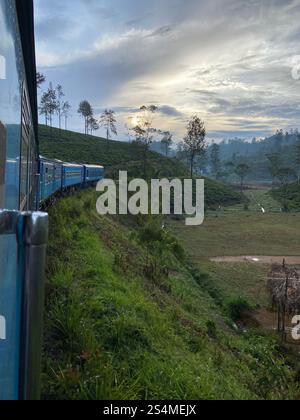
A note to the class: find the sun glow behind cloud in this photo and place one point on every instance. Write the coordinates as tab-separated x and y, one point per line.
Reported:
229	61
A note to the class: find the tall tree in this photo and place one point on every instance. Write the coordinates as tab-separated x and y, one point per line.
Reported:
66	113
60	103
86	111
242	171
181	152
166	141
43	108
143	130
195	140
40	79
274	165
215	160
201	162
93	125
285	176
279	138
108	121
48	105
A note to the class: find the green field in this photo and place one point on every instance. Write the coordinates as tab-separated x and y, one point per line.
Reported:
236	232
242	233
258	199
234	280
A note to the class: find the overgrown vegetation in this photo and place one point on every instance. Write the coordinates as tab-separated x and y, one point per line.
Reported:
288	196
115	330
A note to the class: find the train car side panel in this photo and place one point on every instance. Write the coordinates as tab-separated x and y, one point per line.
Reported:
12	85
93	173
72	175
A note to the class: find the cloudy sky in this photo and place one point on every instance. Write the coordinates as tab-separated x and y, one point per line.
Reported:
233	62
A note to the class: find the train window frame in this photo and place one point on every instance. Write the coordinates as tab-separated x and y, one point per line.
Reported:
25	146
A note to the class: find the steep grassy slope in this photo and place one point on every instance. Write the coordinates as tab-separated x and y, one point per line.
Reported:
127	317
114	155
289	196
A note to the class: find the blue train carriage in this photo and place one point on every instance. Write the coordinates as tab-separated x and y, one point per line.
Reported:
50	174
72	176
23	232
93	174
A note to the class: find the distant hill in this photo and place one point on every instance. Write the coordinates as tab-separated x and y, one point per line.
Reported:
255	154
114	155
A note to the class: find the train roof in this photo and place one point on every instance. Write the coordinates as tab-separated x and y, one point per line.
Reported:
25	11
94	166
72	165
50	160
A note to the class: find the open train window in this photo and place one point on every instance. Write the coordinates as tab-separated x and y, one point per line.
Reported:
2	163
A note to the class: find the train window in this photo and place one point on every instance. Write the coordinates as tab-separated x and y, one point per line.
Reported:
33	169
25	153
2	163
12	75
72	174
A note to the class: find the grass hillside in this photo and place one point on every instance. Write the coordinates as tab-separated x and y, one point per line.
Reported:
289	196
219	194
128	317
114	155
73	147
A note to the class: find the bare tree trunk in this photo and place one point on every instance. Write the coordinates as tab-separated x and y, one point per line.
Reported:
242	185
107	138
145	163
192	166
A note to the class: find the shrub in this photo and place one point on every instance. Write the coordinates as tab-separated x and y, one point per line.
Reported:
211	329
236	308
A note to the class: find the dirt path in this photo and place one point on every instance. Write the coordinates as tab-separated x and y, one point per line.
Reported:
258	260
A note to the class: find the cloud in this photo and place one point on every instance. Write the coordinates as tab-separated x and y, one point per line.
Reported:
170	111
230	63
